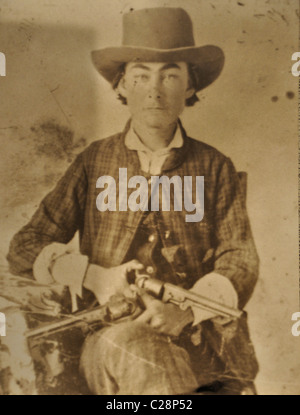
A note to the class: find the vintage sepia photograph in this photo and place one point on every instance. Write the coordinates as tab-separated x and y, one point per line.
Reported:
149	198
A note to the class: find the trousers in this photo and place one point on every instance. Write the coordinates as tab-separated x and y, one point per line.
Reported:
131	358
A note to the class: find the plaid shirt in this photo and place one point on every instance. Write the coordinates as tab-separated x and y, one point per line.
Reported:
221	242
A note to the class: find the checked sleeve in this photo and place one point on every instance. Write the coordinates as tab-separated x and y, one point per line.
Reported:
235	254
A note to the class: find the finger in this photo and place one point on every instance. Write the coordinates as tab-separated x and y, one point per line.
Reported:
130	293
41	308
135	289
48	301
145	317
38	302
149	301
221	320
157	321
133	265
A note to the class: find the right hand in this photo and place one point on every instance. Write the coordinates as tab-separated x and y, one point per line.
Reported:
166	318
105	282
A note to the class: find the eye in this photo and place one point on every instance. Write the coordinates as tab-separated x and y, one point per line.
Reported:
171	76
141	77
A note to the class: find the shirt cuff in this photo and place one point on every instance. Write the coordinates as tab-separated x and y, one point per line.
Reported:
216	287
57	263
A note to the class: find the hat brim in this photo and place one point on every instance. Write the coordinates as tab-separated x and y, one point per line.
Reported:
208	60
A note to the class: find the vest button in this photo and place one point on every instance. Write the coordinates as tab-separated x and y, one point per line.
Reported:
151	238
181	275
167	234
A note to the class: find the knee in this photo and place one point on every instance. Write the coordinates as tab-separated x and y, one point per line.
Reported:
125	333
123	338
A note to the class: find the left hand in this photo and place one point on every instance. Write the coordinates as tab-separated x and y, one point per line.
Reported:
44	302
165	318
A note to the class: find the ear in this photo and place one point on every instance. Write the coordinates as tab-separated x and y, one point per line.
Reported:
189	92
121	89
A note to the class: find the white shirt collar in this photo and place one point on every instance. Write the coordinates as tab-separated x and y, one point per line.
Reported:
133	142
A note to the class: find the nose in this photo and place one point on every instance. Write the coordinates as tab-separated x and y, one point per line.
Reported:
155	88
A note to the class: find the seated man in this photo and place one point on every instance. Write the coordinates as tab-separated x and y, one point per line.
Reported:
156	72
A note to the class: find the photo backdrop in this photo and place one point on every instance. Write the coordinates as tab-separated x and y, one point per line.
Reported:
53	104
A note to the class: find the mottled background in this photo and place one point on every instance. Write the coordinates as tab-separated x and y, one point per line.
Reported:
53	103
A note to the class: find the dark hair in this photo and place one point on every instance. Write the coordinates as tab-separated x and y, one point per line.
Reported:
193	76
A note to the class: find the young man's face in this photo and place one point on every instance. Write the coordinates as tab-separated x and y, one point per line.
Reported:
155	91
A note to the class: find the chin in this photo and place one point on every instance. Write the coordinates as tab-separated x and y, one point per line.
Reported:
158	121
156	124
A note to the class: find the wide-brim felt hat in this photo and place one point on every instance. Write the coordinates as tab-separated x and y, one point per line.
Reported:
160	34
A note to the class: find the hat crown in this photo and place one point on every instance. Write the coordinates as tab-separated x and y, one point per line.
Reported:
158	28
